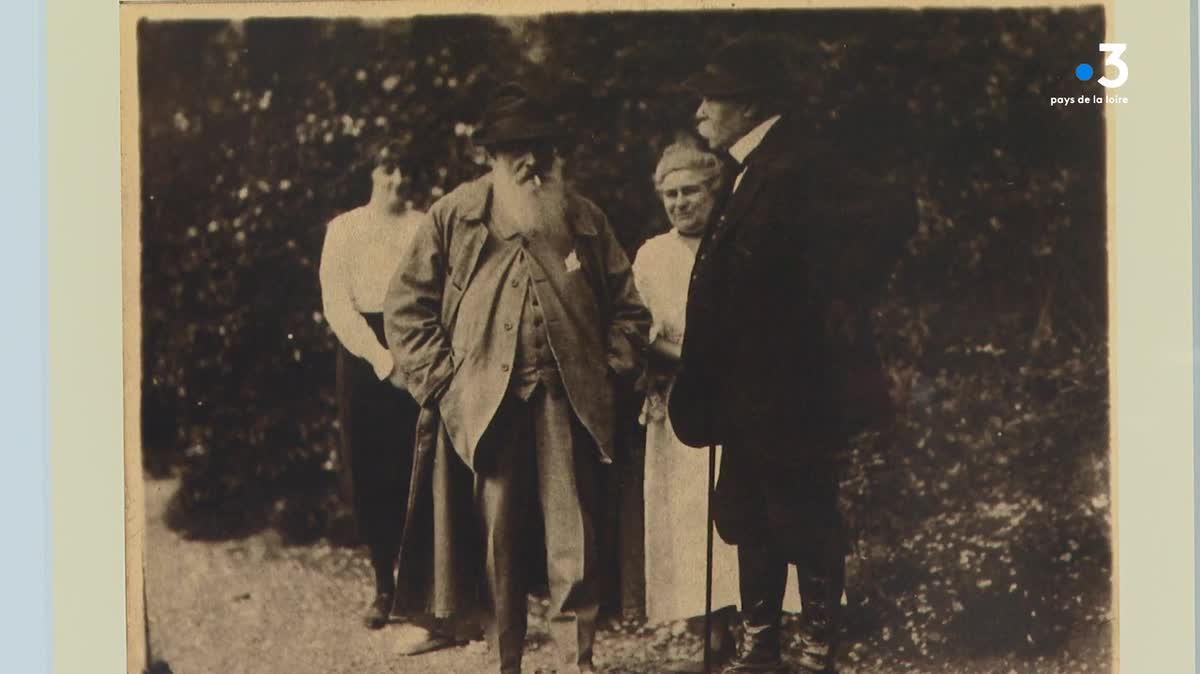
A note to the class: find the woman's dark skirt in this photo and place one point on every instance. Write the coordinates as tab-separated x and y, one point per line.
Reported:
378	424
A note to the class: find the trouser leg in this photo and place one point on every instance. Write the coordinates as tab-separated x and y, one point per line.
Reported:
822	581
762	577
780	512
566	474
804	513
383	562
631	532
502	495
740	510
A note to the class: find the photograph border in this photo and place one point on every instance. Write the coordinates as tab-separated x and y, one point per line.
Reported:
1150	274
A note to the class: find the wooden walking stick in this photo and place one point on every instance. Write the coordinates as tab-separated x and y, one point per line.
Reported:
708	560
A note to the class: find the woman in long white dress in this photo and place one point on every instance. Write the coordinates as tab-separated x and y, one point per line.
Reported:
688	180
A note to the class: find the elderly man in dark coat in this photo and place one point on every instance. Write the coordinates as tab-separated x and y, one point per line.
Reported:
512	317
777	364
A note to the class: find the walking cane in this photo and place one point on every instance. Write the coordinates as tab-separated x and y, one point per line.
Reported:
708	560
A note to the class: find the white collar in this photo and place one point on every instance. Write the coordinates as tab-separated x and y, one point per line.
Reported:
684	238
747	143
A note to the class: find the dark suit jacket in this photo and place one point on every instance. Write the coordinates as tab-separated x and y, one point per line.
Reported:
777	354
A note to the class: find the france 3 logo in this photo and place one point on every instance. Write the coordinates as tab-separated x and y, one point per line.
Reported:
1085	73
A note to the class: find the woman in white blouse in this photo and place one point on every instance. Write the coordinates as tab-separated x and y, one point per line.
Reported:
688	180
377	419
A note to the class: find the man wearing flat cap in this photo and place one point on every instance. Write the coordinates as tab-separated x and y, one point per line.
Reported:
777	361
511	318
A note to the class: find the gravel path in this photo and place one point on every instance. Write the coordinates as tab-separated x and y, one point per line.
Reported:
256	606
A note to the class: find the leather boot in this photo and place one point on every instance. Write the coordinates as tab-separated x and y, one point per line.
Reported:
383	562
380	612
821	597
762	577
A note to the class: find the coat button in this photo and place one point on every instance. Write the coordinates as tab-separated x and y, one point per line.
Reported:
514	283
504	367
507	325
537	320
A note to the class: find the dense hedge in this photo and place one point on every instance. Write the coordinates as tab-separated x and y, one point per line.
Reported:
252	137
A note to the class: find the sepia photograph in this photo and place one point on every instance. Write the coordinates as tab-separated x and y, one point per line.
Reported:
600	340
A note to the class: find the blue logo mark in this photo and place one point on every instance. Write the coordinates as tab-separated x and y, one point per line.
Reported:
1083	72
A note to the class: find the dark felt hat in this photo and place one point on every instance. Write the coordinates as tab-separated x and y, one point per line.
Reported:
745	66
514	115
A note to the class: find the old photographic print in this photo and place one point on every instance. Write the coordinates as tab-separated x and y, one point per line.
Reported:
447	321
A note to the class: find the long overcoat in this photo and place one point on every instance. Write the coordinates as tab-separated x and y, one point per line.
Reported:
778	351
458	367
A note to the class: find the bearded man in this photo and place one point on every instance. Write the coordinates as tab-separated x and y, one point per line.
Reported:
511	318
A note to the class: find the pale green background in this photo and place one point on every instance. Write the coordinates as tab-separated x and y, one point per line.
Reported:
1152	332
1152	338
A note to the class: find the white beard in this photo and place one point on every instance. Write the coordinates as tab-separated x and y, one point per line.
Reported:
529	206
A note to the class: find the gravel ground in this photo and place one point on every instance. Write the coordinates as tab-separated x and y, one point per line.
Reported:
256	606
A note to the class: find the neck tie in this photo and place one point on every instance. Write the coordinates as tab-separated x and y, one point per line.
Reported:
738	180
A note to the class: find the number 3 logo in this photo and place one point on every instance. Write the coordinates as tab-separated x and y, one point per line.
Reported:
1114	51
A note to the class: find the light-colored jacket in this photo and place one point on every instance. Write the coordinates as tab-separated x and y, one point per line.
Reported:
460	363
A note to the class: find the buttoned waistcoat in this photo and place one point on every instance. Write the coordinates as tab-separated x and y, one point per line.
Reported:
453	307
